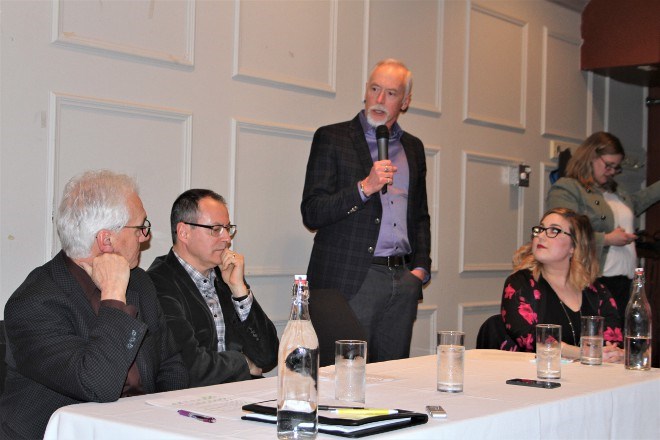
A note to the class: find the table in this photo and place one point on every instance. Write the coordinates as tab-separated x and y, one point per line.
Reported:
604	401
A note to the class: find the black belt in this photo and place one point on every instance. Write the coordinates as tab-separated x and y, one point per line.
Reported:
392	261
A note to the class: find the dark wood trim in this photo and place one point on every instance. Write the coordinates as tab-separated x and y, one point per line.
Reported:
653	221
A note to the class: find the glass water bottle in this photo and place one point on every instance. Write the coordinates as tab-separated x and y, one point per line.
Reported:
297	370
637	327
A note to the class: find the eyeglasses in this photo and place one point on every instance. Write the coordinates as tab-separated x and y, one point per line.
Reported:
216	230
550	232
145	228
611	167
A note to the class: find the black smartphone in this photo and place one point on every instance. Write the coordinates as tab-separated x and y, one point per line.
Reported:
533	383
436	411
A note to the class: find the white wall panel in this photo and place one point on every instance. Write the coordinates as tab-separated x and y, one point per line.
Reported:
631	128
496	96
471	315
149	143
266	197
287	42
433	198
491	213
565	88
423	21
544	185
154	29
424	338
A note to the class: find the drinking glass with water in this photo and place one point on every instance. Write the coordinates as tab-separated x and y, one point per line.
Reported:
548	351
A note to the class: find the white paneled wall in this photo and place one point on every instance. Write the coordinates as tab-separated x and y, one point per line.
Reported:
488	245
146	142
496	97
227	94
562	84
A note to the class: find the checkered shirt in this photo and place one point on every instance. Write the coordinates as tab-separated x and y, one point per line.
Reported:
206	287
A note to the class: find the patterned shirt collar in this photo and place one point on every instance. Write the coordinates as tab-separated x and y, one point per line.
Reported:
202	282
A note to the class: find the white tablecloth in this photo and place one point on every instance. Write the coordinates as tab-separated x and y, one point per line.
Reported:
604	401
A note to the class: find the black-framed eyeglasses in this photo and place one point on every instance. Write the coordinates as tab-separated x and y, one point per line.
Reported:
550	232
145	228
216	230
611	167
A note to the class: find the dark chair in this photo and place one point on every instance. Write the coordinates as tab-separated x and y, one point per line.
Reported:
3	366
492	333
562	161
333	319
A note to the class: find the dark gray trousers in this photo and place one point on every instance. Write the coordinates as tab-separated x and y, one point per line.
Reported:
386	306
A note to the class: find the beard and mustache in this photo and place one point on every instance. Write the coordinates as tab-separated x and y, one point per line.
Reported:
381	120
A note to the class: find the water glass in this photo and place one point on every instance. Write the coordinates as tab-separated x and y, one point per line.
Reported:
451	351
350	370
591	340
548	351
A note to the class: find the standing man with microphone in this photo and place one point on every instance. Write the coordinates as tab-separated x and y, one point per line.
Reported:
365	197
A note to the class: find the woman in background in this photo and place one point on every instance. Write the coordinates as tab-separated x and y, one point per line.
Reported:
589	188
554	282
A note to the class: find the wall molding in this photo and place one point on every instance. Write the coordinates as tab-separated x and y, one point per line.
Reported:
426	313
73	40
476	308
273	79
432	107
470	116
554	133
59	100
239	125
433	153
544	183
501	161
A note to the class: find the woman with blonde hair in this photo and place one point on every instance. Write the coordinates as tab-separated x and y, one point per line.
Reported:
554	282
589	188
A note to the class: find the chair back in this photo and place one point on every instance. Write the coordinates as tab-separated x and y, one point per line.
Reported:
333	319
492	333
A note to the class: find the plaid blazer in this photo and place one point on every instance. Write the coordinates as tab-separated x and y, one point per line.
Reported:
346	228
59	352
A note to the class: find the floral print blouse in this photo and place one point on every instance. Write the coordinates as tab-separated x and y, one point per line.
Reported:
526	302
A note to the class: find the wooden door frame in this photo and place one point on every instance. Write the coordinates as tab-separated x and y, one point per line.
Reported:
653	217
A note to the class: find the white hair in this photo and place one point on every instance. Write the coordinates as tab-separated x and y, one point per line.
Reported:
92	201
395	62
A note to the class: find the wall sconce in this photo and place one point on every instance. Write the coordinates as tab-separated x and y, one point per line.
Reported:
519	176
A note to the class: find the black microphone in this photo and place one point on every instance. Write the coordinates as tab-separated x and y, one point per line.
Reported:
383	140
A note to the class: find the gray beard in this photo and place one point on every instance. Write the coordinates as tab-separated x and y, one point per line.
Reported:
373	122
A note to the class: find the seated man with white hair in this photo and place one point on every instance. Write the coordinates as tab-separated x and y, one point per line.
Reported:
86	326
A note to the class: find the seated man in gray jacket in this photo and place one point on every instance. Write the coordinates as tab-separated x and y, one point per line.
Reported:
223	332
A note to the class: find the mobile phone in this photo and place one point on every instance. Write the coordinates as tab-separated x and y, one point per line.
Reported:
436	411
533	383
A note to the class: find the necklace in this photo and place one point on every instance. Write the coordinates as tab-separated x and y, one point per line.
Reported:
570	321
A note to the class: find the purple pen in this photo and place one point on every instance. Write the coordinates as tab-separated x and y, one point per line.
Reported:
196	416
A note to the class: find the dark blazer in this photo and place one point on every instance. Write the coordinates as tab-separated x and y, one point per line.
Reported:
192	325
347	229
60	352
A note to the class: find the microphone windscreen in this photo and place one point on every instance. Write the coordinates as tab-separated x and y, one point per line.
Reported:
382	132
